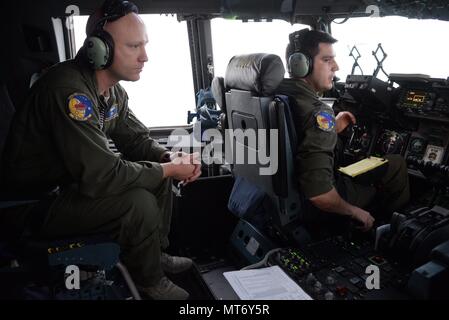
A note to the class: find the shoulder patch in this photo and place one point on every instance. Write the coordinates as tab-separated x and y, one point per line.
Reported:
80	107
325	120
112	113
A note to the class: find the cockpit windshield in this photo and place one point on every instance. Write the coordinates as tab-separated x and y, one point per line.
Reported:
412	45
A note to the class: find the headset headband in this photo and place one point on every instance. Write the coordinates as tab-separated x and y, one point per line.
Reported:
296	38
99	44
114	10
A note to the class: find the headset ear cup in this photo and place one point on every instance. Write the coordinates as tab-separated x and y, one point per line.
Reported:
300	65
99	50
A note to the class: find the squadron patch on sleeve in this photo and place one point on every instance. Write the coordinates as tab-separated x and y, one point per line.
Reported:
80	107
112	113
325	121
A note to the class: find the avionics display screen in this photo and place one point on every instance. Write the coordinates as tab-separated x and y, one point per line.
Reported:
415	98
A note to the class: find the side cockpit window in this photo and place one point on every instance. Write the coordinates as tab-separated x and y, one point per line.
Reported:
166	82
234	37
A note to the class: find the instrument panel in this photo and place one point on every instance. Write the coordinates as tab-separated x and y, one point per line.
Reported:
429	143
416	99
427	99
391	142
417	146
414	125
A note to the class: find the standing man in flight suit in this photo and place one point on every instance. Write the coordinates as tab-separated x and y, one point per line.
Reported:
60	138
311	63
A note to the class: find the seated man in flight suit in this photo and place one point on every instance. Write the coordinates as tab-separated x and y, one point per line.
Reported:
311	63
59	138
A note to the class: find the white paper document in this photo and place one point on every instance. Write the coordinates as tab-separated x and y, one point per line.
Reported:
265	284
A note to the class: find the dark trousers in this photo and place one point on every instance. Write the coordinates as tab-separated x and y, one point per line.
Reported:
381	197
139	221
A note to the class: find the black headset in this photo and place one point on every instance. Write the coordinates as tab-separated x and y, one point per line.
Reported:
99	45
299	63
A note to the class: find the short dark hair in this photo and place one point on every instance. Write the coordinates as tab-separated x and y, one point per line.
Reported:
308	41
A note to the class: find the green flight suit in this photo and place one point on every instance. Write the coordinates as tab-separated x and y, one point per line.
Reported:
59	138
317	138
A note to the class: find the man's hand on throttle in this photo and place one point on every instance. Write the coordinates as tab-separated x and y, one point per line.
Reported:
364	217
344	119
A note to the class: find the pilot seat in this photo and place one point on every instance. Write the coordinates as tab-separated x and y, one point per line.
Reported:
265	195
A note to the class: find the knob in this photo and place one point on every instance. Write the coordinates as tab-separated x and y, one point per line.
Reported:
329	296
310	279
330	280
317	287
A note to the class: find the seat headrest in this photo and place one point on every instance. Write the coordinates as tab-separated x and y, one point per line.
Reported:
260	73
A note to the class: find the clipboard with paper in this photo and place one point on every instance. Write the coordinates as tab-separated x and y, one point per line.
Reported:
367	170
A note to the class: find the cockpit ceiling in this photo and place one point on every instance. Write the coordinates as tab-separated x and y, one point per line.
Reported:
418	9
290	10
299	10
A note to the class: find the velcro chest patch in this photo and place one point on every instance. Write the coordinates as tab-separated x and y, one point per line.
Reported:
112	113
